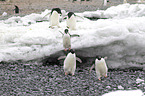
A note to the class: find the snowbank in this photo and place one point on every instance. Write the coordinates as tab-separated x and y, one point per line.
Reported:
120	11
22	38
125	93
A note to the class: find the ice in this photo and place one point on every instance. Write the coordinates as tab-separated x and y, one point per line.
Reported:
120	11
4	14
23	38
125	93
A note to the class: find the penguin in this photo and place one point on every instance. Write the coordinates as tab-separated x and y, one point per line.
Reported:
125	1
16	10
67	39
105	3
100	67
54	17
70	62
71	21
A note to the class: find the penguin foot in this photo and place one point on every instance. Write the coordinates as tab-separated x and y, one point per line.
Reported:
106	76
73	74
99	79
65	49
51	27
67	27
66	73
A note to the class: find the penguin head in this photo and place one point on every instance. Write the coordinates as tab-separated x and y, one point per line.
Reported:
98	57
66	31
72	51
58	10
70	14
16	6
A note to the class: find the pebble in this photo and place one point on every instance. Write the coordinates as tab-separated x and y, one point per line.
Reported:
51	80
108	87
120	87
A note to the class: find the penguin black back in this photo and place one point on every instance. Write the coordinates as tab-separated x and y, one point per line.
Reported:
70	14
16	9
56	9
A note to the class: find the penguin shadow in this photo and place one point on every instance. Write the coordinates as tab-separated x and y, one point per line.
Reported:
53	59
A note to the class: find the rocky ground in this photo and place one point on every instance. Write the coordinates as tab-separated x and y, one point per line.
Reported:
32	78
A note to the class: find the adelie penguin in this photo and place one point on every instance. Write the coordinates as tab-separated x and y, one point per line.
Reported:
70	62
67	39
54	17
100	67
16	10
71	21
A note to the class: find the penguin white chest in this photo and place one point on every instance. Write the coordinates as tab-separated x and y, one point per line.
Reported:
101	67
70	63
54	19
66	41
71	22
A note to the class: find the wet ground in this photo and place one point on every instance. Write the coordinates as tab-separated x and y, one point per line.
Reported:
32	78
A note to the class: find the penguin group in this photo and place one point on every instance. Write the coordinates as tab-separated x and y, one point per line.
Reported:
69	64
54	18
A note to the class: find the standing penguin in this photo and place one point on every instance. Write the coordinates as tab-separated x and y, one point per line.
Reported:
71	21
124	1
67	39
16	10
70	62
54	17
100	67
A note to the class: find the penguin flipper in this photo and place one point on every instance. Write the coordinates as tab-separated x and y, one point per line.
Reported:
61	32
78	59
46	14
61	57
92	68
74	35
105	57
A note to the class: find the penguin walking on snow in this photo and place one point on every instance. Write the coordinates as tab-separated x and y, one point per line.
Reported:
70	62
67	39
100	67
71	21
54	17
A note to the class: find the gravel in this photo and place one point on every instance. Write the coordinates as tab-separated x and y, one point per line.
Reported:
32	78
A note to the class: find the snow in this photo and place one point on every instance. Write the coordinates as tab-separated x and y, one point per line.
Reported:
22	38
120	11
125	93
4	14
